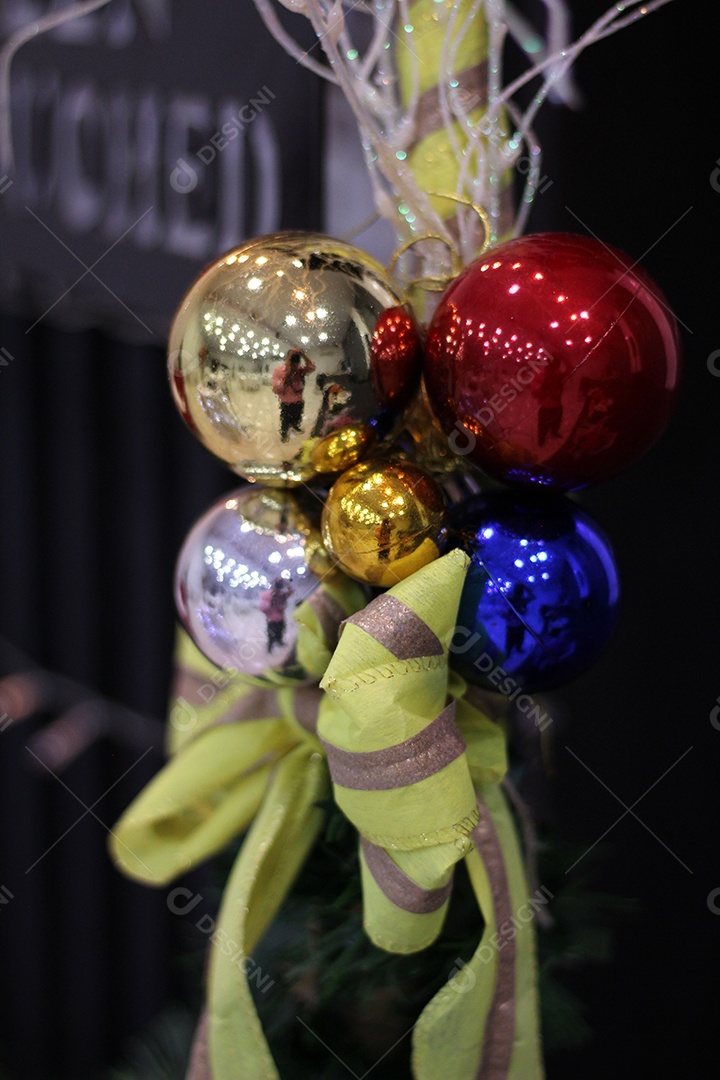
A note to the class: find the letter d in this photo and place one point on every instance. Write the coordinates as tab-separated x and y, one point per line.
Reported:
183	717
715	178
183	178
456	448
187	894
463	978
479	662
715	716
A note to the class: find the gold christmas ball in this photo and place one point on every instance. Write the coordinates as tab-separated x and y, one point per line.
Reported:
341	449
381	521
292	356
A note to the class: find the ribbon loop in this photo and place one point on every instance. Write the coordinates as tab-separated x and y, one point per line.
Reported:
406	763
396	757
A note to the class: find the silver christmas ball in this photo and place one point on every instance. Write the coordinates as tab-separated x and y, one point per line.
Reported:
244	568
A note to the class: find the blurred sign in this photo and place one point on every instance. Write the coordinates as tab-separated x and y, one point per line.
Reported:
149	137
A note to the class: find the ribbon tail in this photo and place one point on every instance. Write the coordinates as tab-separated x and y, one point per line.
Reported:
484	1023
202	799
518	929
406	895
274	850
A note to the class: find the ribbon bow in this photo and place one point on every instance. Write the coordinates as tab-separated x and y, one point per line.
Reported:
420	779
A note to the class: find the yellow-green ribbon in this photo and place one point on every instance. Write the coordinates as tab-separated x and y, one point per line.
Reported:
245	753
414	766
396	756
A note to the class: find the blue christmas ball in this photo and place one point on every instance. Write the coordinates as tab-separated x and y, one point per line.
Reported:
540	600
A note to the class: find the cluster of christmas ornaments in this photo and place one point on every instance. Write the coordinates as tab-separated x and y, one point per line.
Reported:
550	363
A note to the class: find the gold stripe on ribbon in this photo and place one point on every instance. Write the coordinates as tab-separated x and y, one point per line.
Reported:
259	704
306	706
470	92
500	1026
199	1064
396	627
398	887
329	614
406	763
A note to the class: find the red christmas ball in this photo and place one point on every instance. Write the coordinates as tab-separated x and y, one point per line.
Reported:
553	360
396	351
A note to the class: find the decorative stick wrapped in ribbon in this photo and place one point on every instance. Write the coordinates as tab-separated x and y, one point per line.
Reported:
446	83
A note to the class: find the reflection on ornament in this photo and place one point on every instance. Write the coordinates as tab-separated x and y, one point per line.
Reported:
243	569
428	444
396	357
286	341
554	360
341	449
382	520
541	594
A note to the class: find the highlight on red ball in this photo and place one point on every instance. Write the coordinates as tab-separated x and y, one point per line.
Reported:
396	351
554	360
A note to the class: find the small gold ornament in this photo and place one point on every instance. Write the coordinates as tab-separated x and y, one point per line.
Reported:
281	362
441	454
381	521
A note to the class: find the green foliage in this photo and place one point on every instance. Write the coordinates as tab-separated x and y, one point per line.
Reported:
581	934
332	977
338	1003
162	1053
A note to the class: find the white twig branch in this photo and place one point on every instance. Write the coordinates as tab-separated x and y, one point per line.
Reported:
7	54
483	150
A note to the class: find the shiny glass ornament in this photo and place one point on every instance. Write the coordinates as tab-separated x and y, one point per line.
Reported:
553	361
381	521
285	344
541	594
242	571
396	353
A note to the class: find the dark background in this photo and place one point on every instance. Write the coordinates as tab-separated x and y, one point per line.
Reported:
99	482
